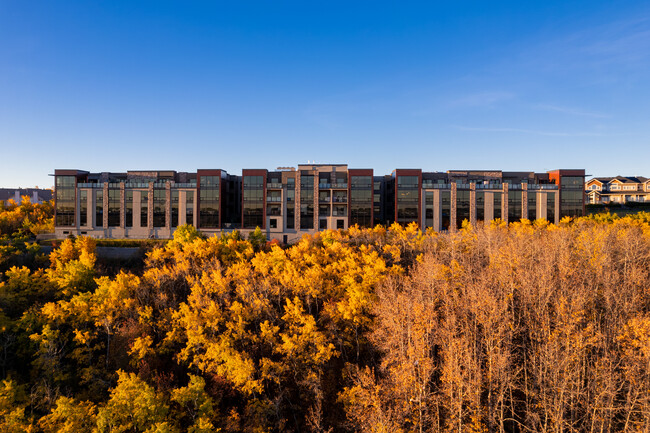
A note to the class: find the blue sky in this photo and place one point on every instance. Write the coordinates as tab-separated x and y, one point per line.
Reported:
516	85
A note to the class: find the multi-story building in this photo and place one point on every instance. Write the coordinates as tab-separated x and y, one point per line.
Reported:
619	189
36	195
289	202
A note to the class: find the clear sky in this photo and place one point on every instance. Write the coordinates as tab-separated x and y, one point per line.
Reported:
510	85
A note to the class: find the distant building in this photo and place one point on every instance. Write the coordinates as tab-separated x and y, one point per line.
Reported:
36	195
619	189
289	202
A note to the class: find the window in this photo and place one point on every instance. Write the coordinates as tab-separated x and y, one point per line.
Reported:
428	203
322	224
175	196
462	206
532	206
407	199
209	201
128	209
83	208
571	196
189	207
306	201
340	224
480	205
99	208
514	206
144	209
324	210
273	223
253	202
65	191
159	207
550	207
497	205
114	207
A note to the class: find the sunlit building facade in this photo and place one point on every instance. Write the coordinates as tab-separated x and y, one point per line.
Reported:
289	202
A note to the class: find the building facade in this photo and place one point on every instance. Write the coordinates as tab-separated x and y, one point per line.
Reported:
289	202
619	189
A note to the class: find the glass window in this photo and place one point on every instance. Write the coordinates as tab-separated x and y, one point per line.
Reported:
189	207
462	207
99	208
550	207
209	203
445	198
253	203
428	209
532	206
498	205
83	207
65	191
114	207
306	201
480	205
407	199
128	208
175	196
291	216
514	206
323	210
144	209
159	207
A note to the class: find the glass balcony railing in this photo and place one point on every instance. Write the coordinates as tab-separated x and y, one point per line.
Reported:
273	185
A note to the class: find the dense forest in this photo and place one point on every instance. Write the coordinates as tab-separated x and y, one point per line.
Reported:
518	328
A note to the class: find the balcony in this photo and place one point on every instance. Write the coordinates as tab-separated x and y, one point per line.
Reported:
273	199
324	185
336	199
274	185
339	186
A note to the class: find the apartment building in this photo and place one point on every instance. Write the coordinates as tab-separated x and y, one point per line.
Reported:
289	202
619	189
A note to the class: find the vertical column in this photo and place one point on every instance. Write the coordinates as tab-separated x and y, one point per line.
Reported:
524	200
105	205
504	203
182	207
541	205
472	204
452	207
437	210
122	206
489	206
168	205
150	207
557	206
